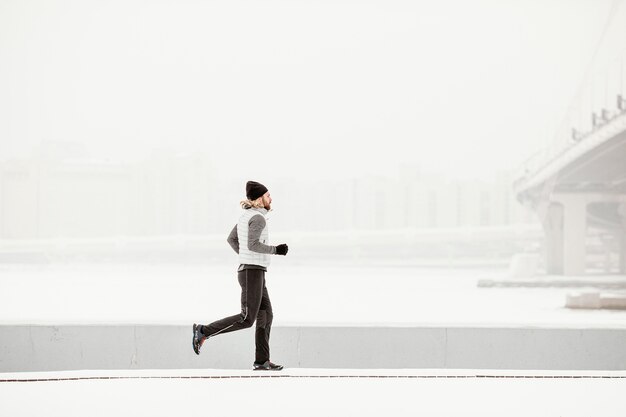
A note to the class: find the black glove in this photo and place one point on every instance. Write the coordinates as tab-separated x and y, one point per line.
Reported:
282	249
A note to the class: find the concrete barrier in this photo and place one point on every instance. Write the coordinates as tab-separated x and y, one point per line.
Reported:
72	347
596	300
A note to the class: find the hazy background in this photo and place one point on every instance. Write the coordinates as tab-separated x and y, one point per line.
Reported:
135	119
283	89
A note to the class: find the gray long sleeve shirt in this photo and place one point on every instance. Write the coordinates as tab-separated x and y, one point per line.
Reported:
255	227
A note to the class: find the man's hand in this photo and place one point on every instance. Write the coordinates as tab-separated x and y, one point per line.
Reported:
282	249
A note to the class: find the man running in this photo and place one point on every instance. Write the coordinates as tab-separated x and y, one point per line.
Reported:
254	258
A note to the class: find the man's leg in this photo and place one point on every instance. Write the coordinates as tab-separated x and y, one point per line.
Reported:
263	327
252	282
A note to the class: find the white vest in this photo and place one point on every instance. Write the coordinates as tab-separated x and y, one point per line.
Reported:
246	256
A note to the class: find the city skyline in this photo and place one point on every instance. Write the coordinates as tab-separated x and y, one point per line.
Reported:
59	192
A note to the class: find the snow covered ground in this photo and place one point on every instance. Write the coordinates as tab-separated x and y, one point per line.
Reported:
308	392
329	295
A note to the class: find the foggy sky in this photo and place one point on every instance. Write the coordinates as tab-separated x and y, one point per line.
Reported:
295	89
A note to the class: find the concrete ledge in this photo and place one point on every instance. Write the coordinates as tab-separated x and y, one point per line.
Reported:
614	282
72	347
596	300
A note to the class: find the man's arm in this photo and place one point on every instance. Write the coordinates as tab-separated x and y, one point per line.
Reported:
255	227
233	239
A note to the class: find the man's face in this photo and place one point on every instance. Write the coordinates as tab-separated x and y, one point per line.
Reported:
267	201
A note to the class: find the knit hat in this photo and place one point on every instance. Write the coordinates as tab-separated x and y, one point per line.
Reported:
254	190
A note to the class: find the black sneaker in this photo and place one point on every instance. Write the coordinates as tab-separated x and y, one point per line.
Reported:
198	339
267	366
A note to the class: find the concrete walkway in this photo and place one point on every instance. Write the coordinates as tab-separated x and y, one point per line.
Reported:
314	392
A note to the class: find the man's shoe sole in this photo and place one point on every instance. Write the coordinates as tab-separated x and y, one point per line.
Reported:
262	368
193	340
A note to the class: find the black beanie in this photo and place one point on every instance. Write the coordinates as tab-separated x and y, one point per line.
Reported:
254	190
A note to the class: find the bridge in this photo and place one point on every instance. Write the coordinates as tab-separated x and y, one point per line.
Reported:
579	191
577	184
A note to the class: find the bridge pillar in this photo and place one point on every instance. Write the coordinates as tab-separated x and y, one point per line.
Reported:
622	247
553	229
565	225
574	234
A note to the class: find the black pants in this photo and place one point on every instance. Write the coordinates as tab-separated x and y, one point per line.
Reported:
255	306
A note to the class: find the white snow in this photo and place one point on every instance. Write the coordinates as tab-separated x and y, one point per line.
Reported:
302	396
305	295
329	295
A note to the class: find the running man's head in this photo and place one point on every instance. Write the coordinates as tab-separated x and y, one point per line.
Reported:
257	196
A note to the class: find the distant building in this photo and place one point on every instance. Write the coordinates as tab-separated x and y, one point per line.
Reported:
59	195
